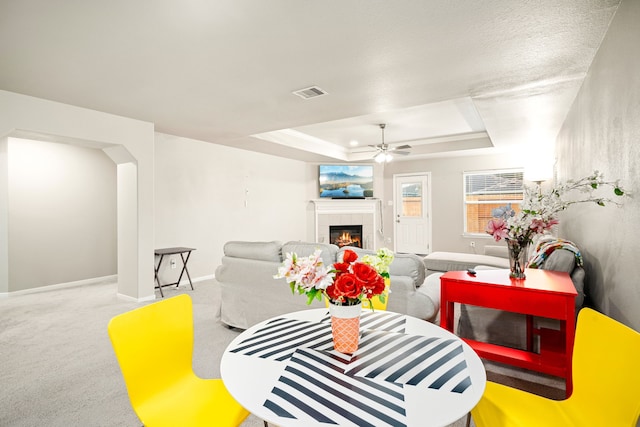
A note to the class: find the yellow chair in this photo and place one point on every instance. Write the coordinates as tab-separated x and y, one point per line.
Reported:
375	301
154	347
606	384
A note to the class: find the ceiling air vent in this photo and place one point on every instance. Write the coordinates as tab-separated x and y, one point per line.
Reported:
310	92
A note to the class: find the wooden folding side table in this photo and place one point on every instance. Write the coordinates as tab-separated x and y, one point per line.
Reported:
173	251
543	293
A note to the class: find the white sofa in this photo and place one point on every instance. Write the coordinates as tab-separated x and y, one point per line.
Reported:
250	294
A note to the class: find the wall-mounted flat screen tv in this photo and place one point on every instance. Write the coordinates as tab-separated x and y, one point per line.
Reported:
346	181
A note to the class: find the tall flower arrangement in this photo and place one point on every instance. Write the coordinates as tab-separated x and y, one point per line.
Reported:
344	283
540	209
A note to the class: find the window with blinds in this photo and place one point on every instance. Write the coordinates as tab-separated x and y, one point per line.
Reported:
487	193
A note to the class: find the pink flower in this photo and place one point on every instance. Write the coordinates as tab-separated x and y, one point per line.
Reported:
539	226
497	227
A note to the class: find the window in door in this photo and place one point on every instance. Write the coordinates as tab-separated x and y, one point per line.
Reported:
412	199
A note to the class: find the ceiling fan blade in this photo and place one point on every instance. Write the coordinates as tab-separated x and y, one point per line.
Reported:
402	147
402	153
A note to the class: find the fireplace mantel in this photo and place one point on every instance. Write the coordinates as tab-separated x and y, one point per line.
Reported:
346	205
347	212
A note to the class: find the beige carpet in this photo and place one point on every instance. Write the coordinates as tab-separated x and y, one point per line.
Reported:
57	367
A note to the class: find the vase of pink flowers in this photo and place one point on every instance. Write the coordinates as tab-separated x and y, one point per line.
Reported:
344	284
539	213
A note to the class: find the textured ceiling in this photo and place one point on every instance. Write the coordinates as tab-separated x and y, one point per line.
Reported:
445	75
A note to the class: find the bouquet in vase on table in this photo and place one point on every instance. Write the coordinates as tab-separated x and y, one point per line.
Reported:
539	213
344	284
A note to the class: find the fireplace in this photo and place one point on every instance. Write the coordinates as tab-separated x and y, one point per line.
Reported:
346	235
337	213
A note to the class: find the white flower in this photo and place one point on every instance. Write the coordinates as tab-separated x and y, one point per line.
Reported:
539	210
305	273
381	261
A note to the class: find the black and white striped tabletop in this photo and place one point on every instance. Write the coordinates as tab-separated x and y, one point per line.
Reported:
406	372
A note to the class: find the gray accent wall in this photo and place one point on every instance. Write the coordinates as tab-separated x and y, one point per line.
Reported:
602	131
61	212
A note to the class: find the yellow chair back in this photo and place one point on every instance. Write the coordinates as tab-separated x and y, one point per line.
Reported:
606	376
154	347
606	384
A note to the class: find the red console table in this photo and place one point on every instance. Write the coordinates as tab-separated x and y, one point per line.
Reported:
543	293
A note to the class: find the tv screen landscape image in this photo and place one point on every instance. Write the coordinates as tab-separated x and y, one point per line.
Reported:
346	181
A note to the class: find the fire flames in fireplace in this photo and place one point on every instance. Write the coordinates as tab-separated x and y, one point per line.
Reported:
346	235
345	239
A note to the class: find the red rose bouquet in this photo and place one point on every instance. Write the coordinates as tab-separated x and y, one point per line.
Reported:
354	281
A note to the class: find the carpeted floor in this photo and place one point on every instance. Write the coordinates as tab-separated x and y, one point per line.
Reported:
57	367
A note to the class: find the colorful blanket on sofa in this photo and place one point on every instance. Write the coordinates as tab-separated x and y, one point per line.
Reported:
546	246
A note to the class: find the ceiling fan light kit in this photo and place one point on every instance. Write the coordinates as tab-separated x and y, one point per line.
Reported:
383	148
382	157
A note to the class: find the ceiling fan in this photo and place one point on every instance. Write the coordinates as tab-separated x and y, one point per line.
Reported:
384	150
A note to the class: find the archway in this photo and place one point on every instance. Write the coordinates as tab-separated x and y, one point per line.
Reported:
128	142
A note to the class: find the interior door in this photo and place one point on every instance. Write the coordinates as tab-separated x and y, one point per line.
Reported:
412	202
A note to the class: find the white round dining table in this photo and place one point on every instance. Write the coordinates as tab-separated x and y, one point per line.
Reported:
406	372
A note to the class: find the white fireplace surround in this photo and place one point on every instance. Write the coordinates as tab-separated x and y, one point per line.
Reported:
332	212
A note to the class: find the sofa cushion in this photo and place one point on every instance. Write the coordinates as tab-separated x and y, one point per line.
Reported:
263	251
495	250
408	265
565	261
431	288
303	249
454	261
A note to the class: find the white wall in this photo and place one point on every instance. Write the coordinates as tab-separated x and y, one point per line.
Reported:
602	131
62	212
207	194
447	196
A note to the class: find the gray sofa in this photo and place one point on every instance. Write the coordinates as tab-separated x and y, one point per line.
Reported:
250	294
440	262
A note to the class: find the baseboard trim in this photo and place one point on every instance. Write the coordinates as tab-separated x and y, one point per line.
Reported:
132	299
183	283
95	281
92	281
